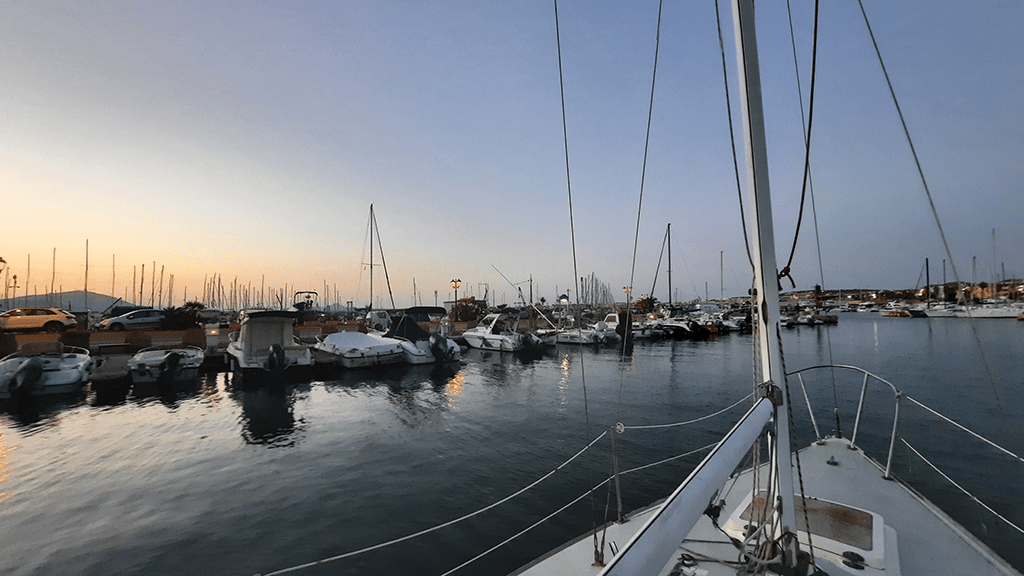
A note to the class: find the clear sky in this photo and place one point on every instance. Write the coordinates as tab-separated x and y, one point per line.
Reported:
248	139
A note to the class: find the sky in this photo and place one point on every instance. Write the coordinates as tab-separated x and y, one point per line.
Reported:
249	139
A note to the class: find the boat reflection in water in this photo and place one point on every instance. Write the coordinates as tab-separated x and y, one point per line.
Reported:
268	414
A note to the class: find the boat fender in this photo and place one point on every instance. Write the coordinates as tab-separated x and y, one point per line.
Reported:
27	376
168	368
276	360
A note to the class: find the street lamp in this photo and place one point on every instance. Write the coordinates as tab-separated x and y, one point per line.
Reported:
455	284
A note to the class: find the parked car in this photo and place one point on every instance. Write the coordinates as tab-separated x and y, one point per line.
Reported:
147	319
52	320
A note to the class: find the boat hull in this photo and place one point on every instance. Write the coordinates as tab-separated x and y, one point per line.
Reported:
150	365
63	373
360	350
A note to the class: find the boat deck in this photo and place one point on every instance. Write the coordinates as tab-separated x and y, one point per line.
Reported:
927	541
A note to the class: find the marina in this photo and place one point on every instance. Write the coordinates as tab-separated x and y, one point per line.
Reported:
208	478
807	433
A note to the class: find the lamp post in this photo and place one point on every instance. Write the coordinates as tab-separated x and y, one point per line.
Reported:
455	284
3	267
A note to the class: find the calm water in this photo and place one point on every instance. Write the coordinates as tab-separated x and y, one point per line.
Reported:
215	480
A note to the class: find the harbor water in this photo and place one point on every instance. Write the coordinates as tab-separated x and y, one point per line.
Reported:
210	479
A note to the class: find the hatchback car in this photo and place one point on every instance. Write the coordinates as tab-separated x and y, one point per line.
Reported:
147	319
52	320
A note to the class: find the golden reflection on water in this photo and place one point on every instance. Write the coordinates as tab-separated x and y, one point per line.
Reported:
563	384
454	389
5	456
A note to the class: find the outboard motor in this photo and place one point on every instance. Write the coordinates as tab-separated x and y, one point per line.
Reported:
439	348
276	360
168	369
532	344
27	376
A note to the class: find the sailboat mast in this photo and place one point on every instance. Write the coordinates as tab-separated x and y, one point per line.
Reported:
765	270
370	307
927	286
668	233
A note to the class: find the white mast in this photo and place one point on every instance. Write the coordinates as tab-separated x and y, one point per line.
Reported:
765	269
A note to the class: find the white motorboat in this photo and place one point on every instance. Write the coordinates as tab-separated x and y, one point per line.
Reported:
609	327
498	331
266	346
581	336
156	364
361	349
40	368
420	346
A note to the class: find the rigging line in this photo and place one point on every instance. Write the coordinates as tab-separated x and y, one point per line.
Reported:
722	411
640	200
965	429
732	139
657	269
568	187
792	439
785	272
362	253
961	488
448	523
931	203
647	143
572	235
563	508
810	188
382	262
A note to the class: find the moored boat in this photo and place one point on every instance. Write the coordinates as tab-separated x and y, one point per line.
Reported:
498	331
420	346
266	347
41	368
361	349
156	364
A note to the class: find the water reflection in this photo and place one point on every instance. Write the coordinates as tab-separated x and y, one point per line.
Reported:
416	390
267	416
38	413
170	394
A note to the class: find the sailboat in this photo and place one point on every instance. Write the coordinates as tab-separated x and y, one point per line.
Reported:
372	347
828	508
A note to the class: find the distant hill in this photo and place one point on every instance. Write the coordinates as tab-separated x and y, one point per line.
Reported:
77	301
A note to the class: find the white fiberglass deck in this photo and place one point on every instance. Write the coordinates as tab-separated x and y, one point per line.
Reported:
927	541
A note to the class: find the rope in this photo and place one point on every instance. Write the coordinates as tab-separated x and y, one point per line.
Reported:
935	212
792	440
732	138
563	508
810	188
669	459
965	429
373	220
653	426
514	495
785	272
961	488
439	526
647	144
572	226
657	269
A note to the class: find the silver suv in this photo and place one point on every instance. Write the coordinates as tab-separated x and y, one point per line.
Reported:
52	320
147	319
